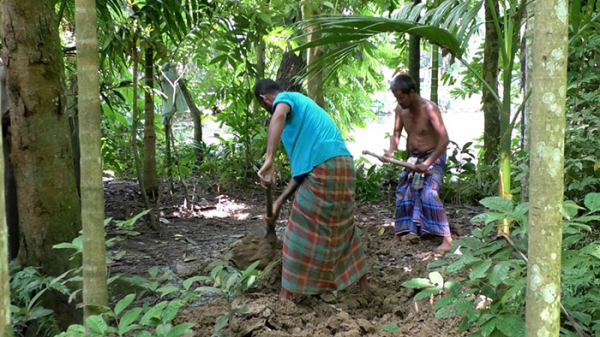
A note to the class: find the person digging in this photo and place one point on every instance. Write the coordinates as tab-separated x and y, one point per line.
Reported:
419	210
321	247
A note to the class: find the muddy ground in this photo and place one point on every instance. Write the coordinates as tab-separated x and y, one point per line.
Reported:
191	239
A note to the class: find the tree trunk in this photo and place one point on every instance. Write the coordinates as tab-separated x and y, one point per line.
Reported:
95	293
196	117
73	113
168	156
491	108
526	134
315	78
550	54
10	188
152	223
291	67
414	57
150	175
435	73
5	326
47	198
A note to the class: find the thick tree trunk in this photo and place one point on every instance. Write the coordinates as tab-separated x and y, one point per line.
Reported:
42	146
491	107
5	326
150	174
95	291
315	78
550	54
435	73
196	117
48	203
291	67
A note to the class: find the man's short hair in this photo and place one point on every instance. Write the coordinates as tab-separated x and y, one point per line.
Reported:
404	84
266	87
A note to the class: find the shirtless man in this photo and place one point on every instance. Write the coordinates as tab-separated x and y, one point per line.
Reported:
419	210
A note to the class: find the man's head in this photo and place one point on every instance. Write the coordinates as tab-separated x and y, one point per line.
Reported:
405	90
266	91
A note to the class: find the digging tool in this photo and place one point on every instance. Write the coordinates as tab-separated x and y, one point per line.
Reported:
261	244
393	161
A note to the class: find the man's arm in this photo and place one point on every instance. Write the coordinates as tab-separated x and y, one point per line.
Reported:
287	193
395	139
438	126
275	129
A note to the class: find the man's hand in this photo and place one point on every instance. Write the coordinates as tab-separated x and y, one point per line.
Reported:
267	173
422	168
387	154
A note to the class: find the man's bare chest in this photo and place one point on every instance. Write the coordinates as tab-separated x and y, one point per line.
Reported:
419	125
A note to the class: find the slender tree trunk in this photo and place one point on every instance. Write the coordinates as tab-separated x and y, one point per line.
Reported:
196	117
528	87
315	79
95	293
168	156
41	148
414	57
135	119
435	73
73	113
491	108
550	55
5	326
10	188
150	175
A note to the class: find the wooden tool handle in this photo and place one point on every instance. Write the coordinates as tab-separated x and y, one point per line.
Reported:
269	197
390	160
393	161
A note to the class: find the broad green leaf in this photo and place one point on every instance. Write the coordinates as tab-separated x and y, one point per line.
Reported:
511	325
592	202
153	272
437	279
221	322
188	283
426	293
163	329
251	268
166	290
570	208
436	264
453	285
124	303
456	266
152	315
417	283
208	289
38	312
185	328
497	204
512	292
479	269
97	324
499	273
444	301
391	328
65	245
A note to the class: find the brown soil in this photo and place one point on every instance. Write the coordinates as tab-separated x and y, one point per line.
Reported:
190	240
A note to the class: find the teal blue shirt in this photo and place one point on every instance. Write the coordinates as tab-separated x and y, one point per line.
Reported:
309	136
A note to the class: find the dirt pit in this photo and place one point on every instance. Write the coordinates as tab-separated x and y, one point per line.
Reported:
190	240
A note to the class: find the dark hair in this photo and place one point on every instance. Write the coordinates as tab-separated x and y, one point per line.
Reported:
266	86
404	84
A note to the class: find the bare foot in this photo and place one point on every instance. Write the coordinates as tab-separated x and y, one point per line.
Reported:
445	246
285	296
363	283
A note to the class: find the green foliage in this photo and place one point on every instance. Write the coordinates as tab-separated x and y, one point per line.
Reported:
375	182
27	286
146	321
229	282
488	293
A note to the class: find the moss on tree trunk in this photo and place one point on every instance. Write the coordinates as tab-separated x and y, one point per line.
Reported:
491	108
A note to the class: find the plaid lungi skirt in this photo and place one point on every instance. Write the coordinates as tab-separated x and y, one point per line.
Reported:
421	212
321	247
